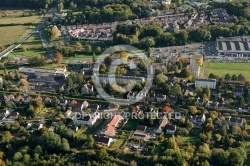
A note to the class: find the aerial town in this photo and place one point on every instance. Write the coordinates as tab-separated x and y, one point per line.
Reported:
147	83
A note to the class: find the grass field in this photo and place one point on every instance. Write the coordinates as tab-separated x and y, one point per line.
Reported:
11	34
28	53
19	20
232	68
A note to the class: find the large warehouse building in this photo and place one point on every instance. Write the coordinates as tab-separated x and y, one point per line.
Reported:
235	46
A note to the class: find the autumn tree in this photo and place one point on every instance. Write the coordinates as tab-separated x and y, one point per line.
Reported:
58	57
192	110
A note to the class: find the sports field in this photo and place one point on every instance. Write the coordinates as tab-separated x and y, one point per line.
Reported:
232	68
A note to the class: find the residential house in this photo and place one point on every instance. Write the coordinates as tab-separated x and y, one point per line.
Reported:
162	125
238	91
94	107
203	83
89	119
51	128
13	115
9	98
170	129
19	99
231	121
4	113
2	97
87	89
131	96
106	141
68	113
77	107
140	133
151	97
195	70
36	126
73	128
85	104
160	98
109	129
63	102
197	120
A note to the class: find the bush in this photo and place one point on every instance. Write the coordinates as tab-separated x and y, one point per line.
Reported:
183	132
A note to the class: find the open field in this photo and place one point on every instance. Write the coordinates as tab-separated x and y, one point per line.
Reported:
28	53
7	12
19	20
11	34
232	68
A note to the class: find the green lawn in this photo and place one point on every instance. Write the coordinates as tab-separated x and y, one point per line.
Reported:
193	137
232	68
23	20
28	52
90	130
19	20
11	34
119	141
131	124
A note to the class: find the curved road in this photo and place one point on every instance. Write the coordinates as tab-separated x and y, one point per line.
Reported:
38	29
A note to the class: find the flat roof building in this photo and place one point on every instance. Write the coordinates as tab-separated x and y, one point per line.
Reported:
203	83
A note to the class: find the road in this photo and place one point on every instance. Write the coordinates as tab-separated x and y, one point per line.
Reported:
38	29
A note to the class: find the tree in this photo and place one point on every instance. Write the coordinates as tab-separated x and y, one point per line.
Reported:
18	156
2	66
88	48
98	50
172	144
192	110
23	82
55	33
175	90
219	157
207	92
78	46
35	106
6	137
131	109
103	68
180	65
90	141
160	79
241	101
37	61
147	42
102	155
234	77
123	55
185	73
235	158
60	6
58	57
93	57
108	60
199	61
241	77
227	77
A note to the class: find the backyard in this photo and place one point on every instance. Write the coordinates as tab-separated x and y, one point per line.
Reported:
222	69
131	125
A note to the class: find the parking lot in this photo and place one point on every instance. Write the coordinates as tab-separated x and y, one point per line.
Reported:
206	48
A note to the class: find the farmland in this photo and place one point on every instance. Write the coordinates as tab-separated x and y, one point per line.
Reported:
222	69
16	24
